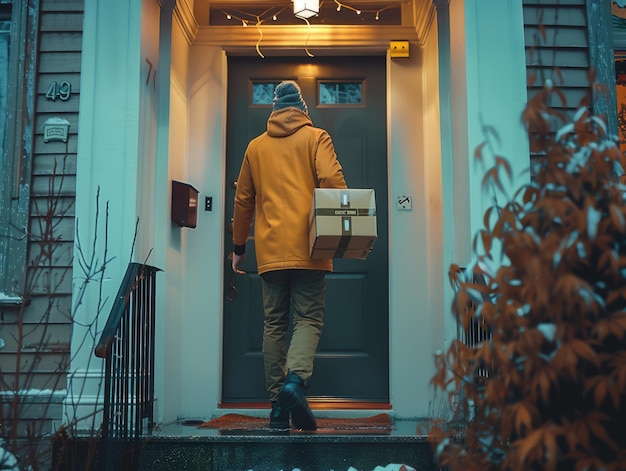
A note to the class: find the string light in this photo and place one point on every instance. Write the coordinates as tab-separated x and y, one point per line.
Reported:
258	43
306	43
377	13
245	18
274	12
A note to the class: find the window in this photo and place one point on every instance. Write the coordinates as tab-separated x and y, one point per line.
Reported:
263	93
340	93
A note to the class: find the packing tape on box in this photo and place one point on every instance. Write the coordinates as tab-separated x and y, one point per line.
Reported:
345	212
346	235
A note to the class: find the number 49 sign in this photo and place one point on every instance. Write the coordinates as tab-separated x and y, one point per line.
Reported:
61	91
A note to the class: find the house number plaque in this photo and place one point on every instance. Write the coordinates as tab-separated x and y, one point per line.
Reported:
62	91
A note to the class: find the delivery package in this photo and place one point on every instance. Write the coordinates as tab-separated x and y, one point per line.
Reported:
342	223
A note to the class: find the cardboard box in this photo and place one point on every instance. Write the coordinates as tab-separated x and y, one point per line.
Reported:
342	223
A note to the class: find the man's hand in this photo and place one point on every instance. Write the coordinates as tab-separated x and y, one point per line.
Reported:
238	260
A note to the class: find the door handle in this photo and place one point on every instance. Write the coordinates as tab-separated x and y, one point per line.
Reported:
231	292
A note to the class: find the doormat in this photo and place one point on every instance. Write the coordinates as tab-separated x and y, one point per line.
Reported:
376	423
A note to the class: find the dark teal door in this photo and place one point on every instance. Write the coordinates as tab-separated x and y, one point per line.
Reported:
352	360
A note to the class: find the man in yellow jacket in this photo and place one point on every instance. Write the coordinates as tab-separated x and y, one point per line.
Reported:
280	170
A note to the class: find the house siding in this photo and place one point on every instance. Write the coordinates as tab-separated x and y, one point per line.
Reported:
557	48
37	335
54	177
571	43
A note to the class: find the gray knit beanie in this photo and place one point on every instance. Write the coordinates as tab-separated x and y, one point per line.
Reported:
288	94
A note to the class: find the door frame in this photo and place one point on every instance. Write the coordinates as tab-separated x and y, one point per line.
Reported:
409	381
371	70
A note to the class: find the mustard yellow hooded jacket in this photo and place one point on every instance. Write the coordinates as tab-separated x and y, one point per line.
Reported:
280	170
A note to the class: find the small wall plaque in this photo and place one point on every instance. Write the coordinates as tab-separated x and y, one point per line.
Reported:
55	129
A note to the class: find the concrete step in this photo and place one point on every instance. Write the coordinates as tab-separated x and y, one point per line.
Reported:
189	448
276	452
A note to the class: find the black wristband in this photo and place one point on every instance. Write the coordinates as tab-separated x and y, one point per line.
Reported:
239	249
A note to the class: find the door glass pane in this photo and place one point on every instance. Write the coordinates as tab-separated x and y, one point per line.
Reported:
340	93
263	92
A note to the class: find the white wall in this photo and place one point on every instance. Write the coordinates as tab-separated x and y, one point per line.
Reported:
106	162
191	320
204	250
149	65
488	89
176	316
416	291
433	193
169	238
132	142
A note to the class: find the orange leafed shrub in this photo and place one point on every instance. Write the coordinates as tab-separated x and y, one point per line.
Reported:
548	390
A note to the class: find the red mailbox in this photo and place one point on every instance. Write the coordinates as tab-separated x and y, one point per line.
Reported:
184	204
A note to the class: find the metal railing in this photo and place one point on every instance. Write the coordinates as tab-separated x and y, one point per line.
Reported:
127	345
477	331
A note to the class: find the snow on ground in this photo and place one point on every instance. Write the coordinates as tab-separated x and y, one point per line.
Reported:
389	467
7	461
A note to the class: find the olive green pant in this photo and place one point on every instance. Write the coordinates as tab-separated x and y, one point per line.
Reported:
300	293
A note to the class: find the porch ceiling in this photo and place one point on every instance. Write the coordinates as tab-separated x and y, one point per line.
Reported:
416	18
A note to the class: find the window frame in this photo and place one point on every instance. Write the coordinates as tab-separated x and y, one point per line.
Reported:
357	80
601	58
18	149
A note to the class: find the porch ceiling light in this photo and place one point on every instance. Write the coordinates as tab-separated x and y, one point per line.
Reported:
306	8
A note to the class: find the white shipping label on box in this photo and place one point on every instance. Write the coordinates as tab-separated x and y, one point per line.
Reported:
342	223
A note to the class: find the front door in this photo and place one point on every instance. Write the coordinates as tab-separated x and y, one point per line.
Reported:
345	96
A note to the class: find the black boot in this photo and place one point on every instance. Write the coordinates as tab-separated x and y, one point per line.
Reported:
293	398
279	417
